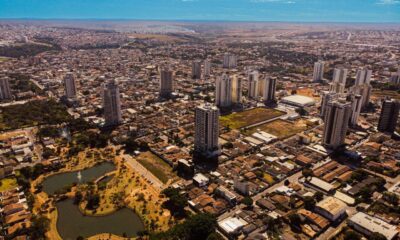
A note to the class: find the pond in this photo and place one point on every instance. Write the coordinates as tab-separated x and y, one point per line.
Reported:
71	223
61	180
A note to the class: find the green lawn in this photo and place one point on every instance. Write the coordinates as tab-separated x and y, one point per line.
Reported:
156	166
242	119
7	184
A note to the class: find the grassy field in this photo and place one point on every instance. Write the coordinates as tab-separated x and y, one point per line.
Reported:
7	184
280	128
156	166
242	119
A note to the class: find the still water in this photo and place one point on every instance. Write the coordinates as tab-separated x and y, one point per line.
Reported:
71	223
58	181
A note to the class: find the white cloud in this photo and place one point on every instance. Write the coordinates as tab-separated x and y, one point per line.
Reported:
388	2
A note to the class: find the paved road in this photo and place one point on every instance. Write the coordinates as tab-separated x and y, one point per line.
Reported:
132	163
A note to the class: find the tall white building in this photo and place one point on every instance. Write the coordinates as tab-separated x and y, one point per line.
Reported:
365	91
340	76
318	71
206	129
236	89
196	70
356	106
363	76
5	90
336	120
269	89
326	97
223	91
253	85
362	85
112	104
230	61
336	87
207	68
166	83
69	85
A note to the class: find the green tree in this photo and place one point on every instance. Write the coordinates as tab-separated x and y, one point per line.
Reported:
248	201
294	219
376	236
351	235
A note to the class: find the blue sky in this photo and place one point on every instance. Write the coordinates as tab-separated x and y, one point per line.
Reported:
231	10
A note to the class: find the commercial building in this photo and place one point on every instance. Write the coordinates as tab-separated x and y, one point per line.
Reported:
223	91
206	129
298	101
166	83
112	104
69	85
336	120
253	85
5	90
331	208
318	71
232	225
389	116
367	225
196	70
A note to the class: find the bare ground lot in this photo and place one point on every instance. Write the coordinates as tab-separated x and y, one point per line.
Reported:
249	117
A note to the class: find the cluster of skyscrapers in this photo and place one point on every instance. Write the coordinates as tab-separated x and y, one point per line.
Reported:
339	108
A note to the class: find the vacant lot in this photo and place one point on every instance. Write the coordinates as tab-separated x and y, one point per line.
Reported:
249	117
280	128
156	166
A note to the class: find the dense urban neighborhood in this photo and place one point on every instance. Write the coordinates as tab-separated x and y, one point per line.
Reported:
199	130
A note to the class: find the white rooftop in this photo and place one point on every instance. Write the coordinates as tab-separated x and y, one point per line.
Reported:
374	224
299	100
232	224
